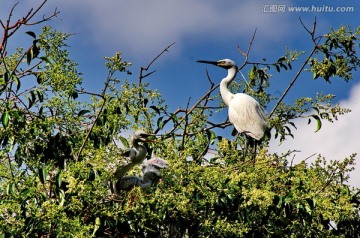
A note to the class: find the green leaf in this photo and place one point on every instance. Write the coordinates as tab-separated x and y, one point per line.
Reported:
252	73
316	75
211	136
277	67
316	109
157	110
283	66
30	33
281	59
38	78
10	188
293	124
40	96
2	80
74	95
42	174
83	112
17	81
124	142
33	96
46	59
311	203
289	65
5	118
160	123
29	56
118	110
18	157
277	200
97	225
318	122
174	117
6	77
59	178
62	197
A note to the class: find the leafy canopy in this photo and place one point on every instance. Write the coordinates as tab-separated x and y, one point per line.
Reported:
59	146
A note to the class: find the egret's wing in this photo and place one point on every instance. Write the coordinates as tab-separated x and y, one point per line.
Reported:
247	115
158	162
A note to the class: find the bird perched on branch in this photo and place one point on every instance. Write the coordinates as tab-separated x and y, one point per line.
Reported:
150	174
245	113
136	153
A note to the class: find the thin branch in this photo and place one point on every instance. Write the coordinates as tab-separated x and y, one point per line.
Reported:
188	112
246	55
293	81
212	126
9	30
209	107
209	79
306	29
111	72
141	76
186	123
312	33
212	88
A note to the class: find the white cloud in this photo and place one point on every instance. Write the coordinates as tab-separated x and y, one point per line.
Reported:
335	141
143	27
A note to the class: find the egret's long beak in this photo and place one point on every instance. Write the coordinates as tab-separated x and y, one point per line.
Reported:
208	62
145	137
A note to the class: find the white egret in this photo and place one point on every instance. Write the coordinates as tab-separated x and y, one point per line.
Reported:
245	113
150	174
136	153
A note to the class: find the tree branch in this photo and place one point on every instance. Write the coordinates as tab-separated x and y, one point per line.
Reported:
312	33
142	69
111	72
246	55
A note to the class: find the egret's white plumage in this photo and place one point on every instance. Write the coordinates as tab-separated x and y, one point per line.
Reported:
245	113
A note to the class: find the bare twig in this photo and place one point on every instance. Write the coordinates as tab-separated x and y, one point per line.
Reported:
209	79
292	82
246	55
9	30
312	33
186	124
142	69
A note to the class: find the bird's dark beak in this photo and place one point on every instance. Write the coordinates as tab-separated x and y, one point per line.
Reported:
208	62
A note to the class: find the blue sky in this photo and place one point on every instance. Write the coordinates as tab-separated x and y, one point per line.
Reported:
210	30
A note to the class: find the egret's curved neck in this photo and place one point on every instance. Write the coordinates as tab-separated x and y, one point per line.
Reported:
140	153
224	91
140	148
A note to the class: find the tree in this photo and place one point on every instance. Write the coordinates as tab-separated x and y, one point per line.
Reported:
57	149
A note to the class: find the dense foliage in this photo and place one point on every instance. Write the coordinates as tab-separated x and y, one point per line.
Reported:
59	144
